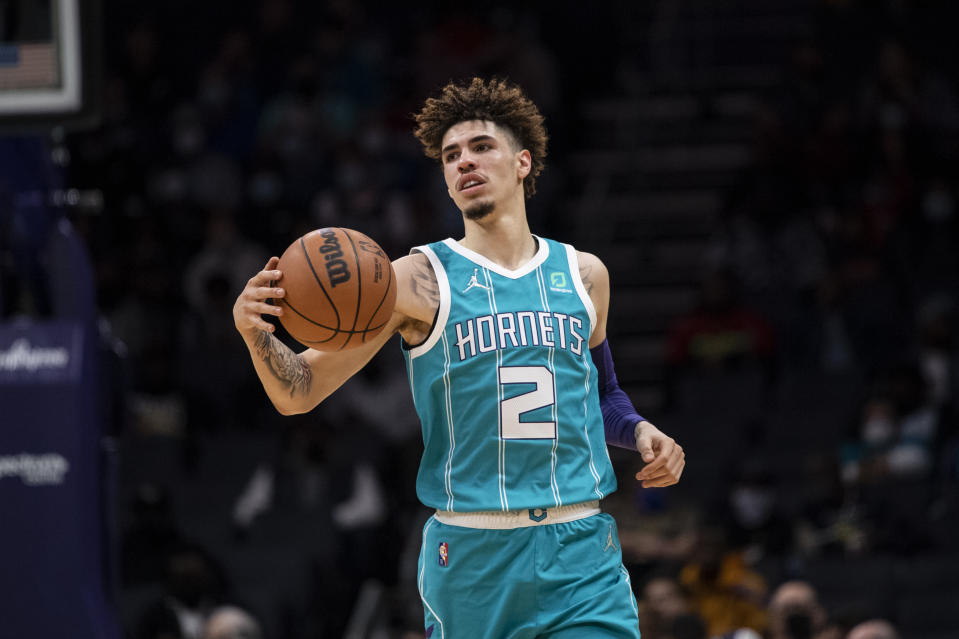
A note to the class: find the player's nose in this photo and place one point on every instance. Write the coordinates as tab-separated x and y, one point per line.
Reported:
466	164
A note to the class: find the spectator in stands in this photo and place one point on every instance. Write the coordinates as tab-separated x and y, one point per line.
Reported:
896	431
722	335
873	629
928	241
724	590
755	520
195	584
829	522
935	323
721	332
825	342
794	612
889	461
225	253
903	93
231	622
663	602
868	298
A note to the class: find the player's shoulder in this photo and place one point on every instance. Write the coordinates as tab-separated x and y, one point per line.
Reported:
418	293
595	277
415	267
583	258
415	258
590	263
414	264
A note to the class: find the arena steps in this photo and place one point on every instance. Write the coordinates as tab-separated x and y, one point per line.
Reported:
664	146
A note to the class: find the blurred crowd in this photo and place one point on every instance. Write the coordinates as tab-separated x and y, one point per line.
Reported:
225	136
230	132
833	270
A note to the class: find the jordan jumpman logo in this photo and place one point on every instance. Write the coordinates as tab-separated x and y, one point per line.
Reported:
609	541
475	282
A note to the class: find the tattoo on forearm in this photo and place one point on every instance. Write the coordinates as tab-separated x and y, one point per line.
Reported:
285	365
423	282
584	274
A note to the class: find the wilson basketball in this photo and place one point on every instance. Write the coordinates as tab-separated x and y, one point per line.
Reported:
340	289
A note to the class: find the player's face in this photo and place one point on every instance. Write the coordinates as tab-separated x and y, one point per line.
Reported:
482	167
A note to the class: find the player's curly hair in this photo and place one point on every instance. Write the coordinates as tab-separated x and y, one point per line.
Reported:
495	100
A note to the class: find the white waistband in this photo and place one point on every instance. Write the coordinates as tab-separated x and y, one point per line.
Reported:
506	519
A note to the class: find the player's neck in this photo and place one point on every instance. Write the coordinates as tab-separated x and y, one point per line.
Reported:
503	239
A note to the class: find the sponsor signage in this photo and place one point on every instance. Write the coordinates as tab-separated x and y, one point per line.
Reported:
47	469
54	534
47	353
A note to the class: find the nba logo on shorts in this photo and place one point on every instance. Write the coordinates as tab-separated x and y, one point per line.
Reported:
444	554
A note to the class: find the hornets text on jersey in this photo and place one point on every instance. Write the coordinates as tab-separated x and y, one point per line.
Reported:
505	387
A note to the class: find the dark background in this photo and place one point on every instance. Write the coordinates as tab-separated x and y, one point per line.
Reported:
771	184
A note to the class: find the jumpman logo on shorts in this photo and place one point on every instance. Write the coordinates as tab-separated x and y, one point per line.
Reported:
475	282
609	541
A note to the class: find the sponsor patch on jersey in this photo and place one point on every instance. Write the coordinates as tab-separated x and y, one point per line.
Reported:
558	282
429	631
444	554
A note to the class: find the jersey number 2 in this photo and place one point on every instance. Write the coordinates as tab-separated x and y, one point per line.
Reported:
511	427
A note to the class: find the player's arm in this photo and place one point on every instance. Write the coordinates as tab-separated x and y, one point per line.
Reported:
298	382
624	427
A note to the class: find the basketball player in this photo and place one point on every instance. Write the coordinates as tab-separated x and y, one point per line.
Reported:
504	335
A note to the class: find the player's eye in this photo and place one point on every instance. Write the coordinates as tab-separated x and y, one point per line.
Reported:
482	147
451	156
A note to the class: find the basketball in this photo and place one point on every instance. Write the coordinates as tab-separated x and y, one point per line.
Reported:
340	289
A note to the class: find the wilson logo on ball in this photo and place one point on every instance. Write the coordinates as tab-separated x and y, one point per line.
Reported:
336	268
335	319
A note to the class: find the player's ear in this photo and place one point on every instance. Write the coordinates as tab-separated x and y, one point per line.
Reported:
524	163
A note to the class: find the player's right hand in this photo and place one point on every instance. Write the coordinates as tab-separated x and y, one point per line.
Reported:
251	303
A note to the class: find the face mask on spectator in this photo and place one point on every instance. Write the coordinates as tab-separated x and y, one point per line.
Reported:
799	625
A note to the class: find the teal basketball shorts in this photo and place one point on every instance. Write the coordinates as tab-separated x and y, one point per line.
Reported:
525	575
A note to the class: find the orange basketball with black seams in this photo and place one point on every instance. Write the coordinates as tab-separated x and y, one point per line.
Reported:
340	289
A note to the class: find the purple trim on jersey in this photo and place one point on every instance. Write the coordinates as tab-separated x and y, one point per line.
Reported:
619	415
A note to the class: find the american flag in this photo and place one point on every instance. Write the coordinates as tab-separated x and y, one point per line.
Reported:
28	66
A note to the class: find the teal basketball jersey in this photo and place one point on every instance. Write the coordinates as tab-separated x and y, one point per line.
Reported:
505	387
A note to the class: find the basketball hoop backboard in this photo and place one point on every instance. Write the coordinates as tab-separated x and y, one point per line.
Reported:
49	59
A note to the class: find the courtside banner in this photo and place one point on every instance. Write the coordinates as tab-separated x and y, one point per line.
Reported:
51	530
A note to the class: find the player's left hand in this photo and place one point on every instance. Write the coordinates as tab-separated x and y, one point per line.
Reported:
664	458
